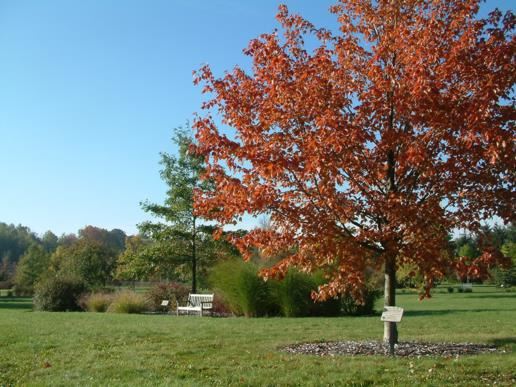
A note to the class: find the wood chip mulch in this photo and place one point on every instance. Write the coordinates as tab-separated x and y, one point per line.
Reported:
411	349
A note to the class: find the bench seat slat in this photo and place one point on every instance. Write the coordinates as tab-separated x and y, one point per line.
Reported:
197	303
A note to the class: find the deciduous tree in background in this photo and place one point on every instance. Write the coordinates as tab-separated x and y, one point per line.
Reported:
86	259
371	148
33	264
49	240
135	263
91	257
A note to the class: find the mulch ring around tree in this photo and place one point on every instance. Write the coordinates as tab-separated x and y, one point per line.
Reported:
404	349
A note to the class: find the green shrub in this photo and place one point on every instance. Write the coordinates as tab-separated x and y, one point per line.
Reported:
242	289
450	289
350	307
408	277
7	284
58	293
97	302
176	293
23	291
127	302
328	308
504	277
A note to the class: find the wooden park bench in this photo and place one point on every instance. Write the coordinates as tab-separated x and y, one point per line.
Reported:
467	287
197	303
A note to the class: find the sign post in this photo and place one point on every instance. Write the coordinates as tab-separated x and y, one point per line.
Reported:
392	315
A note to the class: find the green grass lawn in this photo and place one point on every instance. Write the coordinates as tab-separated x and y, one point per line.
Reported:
38	348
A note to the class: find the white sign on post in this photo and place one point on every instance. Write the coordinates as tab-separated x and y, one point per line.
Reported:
392	314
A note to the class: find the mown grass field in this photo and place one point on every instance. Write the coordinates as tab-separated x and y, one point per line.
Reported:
39	348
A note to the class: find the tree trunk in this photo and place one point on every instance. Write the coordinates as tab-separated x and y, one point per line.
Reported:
194	260
390	331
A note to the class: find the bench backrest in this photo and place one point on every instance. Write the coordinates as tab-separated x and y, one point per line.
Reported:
204	300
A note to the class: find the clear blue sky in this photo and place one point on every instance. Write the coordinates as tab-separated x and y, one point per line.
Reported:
91	90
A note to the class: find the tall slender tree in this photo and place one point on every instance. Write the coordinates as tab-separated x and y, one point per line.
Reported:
370	148
180	239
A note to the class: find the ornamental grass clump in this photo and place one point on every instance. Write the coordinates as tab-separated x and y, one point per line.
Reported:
127	302
242	289
293	294
97	302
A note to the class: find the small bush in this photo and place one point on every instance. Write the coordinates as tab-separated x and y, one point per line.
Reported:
97	302
506	277
127	302
23	291
220	307
460	290
7	284
176	293
351	307
328	308
58	293
450	289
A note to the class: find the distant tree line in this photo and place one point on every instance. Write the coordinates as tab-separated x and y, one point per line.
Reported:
102	257
27	258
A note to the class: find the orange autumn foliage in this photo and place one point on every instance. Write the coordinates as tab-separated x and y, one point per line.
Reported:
371	147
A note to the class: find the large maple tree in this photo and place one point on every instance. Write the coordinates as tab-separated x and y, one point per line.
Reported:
368	149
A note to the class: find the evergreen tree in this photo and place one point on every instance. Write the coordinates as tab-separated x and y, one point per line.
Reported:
181	242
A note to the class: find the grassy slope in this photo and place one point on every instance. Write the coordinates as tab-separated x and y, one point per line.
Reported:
38	348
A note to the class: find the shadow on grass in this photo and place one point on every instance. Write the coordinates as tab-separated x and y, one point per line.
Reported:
504	341
16	303
441	312
493	295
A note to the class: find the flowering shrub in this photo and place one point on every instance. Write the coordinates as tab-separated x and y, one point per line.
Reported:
176	293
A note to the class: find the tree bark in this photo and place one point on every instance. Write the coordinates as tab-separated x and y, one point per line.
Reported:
194	260
390	330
